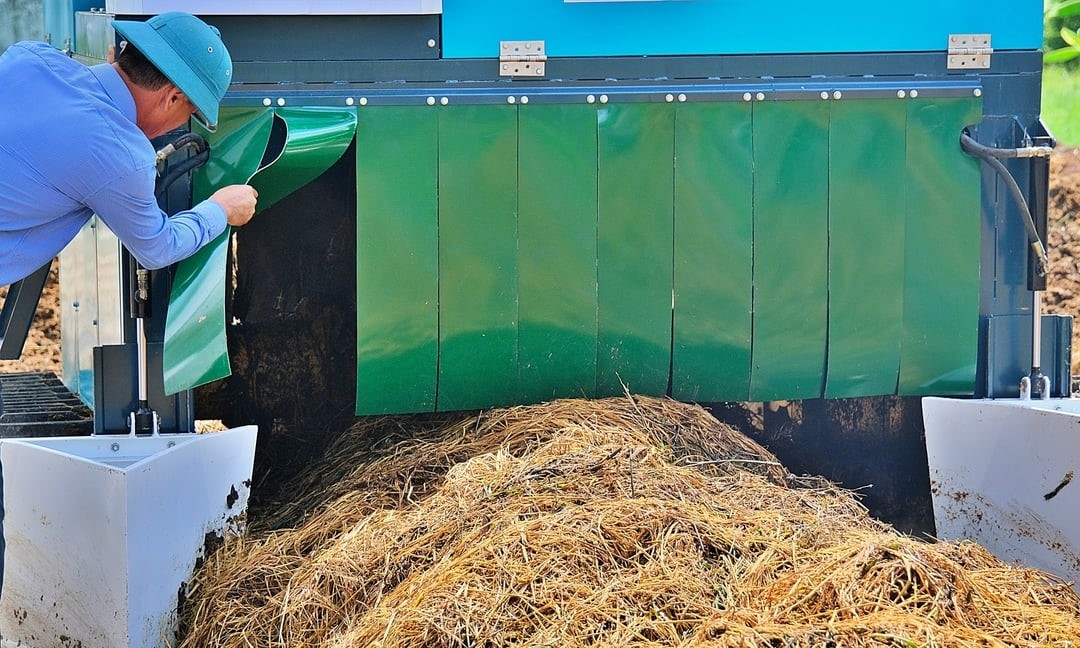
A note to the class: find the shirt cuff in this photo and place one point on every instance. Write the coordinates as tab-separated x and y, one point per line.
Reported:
214	215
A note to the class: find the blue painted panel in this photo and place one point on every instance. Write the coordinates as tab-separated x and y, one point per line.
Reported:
58	17
473	29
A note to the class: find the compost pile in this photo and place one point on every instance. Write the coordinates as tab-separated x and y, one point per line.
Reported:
616	522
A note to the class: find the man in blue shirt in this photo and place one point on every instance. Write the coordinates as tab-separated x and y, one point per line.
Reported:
75	140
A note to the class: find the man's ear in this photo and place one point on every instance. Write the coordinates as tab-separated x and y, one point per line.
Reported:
165	97
174	95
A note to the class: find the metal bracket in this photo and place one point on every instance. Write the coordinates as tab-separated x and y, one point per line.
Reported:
969	51
522	58
17	314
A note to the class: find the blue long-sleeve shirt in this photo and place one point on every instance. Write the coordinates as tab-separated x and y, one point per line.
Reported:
69	148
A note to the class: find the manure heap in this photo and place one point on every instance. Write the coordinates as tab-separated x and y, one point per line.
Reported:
616	522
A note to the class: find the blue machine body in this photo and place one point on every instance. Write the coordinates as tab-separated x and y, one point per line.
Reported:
473	29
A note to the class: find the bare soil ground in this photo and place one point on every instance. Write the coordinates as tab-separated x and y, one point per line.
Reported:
42	349
42	352
1063	284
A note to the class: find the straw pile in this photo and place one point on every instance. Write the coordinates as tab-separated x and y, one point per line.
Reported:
619	522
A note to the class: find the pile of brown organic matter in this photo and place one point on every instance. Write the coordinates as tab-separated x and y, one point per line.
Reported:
617	522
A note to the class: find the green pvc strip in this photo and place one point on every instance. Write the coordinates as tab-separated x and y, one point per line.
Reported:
557	251
196	350
713	252
635	247
236	149
791	243
477	257
397	259
316	138
866	259
939	344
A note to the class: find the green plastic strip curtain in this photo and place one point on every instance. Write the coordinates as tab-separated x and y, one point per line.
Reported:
242	151
715	251
397	259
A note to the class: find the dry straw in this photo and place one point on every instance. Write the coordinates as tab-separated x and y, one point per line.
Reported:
616	522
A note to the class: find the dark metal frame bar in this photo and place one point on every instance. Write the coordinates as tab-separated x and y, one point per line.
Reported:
20	305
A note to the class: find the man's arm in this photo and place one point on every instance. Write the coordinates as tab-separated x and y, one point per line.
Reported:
127	206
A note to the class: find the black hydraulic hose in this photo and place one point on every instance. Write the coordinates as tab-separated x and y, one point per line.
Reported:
972	146
180	170
990	155
190	140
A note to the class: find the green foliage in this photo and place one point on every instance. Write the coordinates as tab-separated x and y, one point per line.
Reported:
1061	43
1060	88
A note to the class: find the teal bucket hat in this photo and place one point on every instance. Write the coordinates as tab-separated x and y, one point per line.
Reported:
189	53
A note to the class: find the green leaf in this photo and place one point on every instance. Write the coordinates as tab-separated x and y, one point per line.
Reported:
1067	9
1060	55
1070	37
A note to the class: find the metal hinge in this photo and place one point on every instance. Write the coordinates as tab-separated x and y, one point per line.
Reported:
521	58
969	51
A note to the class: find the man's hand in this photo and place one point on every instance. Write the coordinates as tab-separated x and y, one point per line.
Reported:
238	201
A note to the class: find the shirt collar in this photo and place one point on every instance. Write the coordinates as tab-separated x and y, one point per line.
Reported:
115	87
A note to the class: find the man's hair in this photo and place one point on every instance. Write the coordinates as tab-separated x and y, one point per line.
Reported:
139	69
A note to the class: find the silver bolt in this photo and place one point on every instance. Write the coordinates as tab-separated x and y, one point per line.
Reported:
431	101
837	95
444	100
267	102
524	100
115	447
363	101
824	95
431	42
747	96
760	96
682	97
669	98
900	94
977	92
349	101
281	101
511	99
590	99
603	99
914	93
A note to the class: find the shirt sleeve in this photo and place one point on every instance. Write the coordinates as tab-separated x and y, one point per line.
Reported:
127	205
